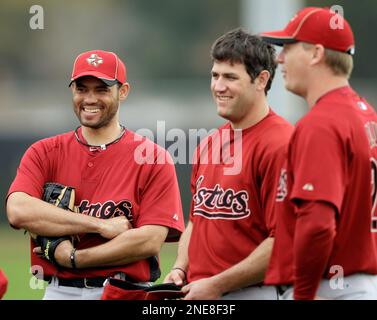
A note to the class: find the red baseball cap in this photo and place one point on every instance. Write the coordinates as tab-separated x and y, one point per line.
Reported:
103	65
317	26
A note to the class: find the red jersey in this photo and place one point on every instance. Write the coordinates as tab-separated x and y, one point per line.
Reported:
108	183
232	210
3	283
332	157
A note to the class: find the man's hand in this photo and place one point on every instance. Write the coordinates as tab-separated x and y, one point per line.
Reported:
176	276
203	289
110	228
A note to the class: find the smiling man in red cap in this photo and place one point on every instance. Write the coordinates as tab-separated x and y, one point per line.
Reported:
127	207
326	233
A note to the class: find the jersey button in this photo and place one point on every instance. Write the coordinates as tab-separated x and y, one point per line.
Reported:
90	164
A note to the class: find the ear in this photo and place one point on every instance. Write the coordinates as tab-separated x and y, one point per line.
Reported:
73	86
318	54
262	80
123	91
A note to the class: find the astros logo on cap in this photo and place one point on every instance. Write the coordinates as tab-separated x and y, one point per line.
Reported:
94	60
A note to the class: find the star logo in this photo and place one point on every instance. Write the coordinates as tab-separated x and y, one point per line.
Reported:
94	60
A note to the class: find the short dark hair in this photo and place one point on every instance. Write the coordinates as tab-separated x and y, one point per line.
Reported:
340	63
238	46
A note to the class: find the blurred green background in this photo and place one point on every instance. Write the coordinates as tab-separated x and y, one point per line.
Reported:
165	45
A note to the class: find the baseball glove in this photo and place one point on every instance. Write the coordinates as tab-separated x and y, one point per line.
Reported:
63	197
116	289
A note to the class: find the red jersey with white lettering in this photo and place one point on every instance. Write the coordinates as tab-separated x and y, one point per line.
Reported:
332	157
233	184
133	177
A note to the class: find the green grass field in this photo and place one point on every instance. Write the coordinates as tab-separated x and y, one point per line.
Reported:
15	262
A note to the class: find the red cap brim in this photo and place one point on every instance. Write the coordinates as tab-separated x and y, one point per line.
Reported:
99	75
277	37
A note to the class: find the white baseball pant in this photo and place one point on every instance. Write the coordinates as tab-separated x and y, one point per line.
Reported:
253	293
357	286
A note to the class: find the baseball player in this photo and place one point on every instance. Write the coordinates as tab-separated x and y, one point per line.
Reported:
128	205
326	240
227	243
3	283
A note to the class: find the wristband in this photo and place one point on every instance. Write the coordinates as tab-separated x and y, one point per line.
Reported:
72	257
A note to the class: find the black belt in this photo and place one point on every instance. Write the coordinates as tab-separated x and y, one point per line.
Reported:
82	282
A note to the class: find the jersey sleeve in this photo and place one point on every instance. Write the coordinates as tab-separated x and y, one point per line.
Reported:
314	144
194	169
160	202
32	172
315	229
269	188
269	173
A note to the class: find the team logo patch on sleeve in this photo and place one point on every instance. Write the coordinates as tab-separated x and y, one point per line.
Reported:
219	203
282	190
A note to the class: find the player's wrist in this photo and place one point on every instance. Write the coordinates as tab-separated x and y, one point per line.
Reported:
220	284
180	270
62	254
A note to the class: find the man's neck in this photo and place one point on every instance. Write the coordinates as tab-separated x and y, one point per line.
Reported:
102	135
257	112
322	86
